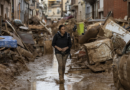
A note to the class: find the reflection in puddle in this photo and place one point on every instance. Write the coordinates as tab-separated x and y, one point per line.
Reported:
46	86
51	77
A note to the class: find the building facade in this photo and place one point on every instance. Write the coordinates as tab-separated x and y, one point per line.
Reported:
5	8
54	10
22	9
67	8
101	9
128	8
81	10
63	5
74	6
88	11
118	8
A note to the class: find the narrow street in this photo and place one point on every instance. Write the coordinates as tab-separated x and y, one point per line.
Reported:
43	75
92	35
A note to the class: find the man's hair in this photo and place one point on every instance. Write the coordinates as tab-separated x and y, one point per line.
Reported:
61	27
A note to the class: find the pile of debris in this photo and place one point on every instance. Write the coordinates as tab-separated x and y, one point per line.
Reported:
69	25
32	41
98	46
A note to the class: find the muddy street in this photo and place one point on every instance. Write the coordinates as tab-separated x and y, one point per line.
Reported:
43	75
64	44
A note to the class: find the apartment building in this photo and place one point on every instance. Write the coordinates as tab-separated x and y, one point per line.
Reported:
67	8
54	10
118	8
88	11
5	8
101	9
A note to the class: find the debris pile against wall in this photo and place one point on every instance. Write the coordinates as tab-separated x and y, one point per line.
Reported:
99	44
32	41
105	46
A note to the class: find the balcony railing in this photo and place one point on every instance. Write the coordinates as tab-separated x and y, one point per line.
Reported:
51	5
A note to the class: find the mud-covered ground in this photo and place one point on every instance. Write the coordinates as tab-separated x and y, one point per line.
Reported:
43	75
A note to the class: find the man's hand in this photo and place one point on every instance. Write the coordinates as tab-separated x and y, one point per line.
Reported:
64	49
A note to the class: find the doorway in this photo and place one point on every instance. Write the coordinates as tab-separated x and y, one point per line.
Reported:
2	13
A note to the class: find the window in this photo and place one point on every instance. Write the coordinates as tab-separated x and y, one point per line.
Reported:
58	10
88	10
49	10
7	12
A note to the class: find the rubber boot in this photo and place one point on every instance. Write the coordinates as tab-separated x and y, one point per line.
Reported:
61	80
61	87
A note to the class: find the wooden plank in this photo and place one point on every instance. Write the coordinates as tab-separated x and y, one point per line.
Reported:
17	34
6	26
38	27
47	29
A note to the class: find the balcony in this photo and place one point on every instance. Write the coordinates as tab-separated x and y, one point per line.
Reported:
91	1
9	1
54	4
72	9
74	3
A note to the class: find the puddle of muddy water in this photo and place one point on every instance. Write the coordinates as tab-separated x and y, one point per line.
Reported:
50	79
43	77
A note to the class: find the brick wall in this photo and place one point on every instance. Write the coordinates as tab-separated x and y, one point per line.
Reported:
118	7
